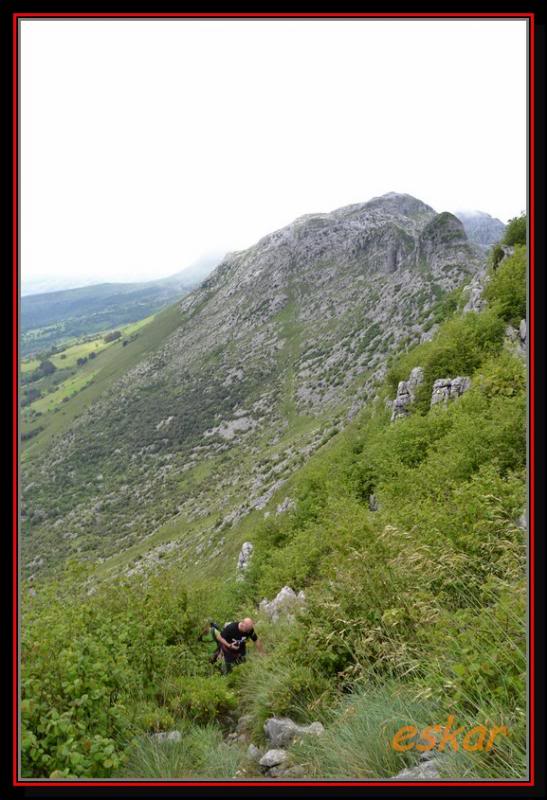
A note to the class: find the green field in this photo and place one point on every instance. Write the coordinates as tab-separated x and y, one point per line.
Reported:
69	355
112	362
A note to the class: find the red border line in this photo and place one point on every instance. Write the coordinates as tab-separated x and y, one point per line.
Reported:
531	521
348	783
277	15
15	402
531	384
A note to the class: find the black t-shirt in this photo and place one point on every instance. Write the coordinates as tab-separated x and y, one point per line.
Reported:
232	633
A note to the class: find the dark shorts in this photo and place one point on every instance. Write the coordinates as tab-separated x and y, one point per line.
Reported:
227	666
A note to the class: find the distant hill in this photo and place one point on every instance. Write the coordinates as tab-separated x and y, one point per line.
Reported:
48	319
480	227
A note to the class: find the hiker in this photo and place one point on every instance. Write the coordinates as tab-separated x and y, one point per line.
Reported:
231	640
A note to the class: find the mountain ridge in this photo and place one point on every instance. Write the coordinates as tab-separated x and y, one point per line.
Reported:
281	341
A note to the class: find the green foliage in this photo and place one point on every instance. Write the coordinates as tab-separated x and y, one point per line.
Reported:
515	232
412	612
496	255
112	650
202	699
417	592
279	683
152	718
460	345
506	290
446	306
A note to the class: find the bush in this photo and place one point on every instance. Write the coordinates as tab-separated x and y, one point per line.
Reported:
46	368
506	290
154	719
496	255
202	699
515	233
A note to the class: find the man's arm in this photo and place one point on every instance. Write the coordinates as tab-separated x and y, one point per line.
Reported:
259	646
223	642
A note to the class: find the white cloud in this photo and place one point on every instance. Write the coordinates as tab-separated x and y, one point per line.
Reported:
145	144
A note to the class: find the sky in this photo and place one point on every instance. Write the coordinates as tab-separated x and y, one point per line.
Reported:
148	144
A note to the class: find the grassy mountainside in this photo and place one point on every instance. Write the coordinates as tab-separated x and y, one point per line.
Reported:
198	422
413	611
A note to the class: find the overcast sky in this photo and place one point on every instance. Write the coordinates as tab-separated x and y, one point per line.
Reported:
147	144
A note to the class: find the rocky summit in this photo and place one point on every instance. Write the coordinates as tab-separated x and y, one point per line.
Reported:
238	383
481	228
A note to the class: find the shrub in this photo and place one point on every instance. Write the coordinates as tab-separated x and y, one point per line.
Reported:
515	233
202	699
506	290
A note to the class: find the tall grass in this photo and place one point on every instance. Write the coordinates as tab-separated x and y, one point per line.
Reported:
201	754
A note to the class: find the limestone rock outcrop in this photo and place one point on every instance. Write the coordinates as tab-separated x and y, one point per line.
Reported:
283	603
445	389
243	560
406	393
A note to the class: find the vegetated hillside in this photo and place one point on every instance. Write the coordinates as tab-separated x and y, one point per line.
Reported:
45	383
406	536
246	377
52	318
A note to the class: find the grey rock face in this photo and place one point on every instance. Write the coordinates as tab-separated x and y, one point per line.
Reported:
373	502
285	601
480	227
281	731
443	233
515	339
273	757
406	393
244	559
449	388
473	292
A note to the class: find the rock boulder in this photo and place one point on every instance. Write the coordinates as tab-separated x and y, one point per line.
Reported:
285	601
244	560
406	393
281	731
448	388
273	757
